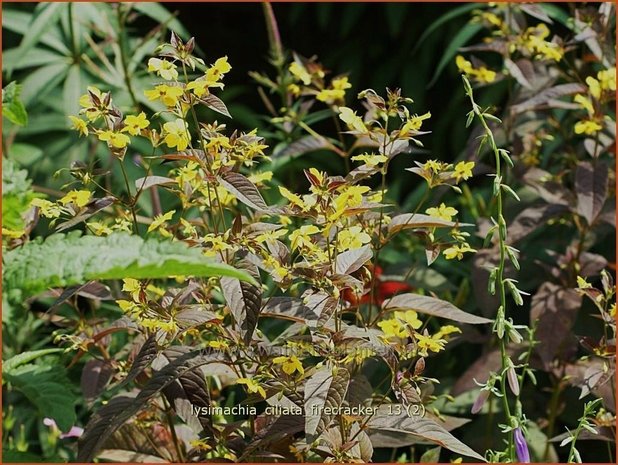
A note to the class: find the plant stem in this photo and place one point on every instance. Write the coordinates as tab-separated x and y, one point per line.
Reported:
122	45
131	203
501	266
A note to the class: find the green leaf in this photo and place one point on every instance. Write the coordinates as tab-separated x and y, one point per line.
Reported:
445	18
12	106
26	154
460	39
19	22
16	456
8	366
48	389
65	260
45	16
161	15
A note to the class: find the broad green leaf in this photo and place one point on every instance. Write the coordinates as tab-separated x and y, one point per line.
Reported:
65	260
25	154
8	366
12	106
432	306
460	39
44	17
49	389
16	456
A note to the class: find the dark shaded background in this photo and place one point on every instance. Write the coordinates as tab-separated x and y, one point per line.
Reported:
374	42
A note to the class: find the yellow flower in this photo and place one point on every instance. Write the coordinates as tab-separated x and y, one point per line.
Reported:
132	287
414	123
216	71
176	134
259	178
612	310
457	251
289	364
464	65
607	78
77	198
393	328
463	170
217	244
79	125
99	229
135	124
292	198
485	75
169	95
300	73
159	221
442	212
301	237
370	159
218	344
12	233
163	68
446	330
294	89
252	386
587	127
427	343
352	238
585	103
594	87
582	283
409	317
114	139
48	209
353	121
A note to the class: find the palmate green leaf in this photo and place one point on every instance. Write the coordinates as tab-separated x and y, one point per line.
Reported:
48	389
45	17
19	22
65	260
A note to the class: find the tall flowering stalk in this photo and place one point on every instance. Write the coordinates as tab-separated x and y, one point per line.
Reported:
503	327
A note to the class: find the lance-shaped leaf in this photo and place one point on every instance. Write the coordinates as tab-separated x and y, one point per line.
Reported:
305	145
432	306
325	391
591	187
544	98
118	410
419	220
65	260
216	104
350	261
244	300
95	376
143	359
244	190
390	430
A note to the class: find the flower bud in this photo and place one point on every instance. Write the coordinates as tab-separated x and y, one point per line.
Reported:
480	401
521	448
511	377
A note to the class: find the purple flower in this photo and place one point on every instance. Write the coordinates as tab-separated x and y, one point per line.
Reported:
521	448
74	432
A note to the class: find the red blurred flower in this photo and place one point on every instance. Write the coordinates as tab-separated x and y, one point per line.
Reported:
383	289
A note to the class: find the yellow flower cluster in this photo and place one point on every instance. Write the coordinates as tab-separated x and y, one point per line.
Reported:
482	75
